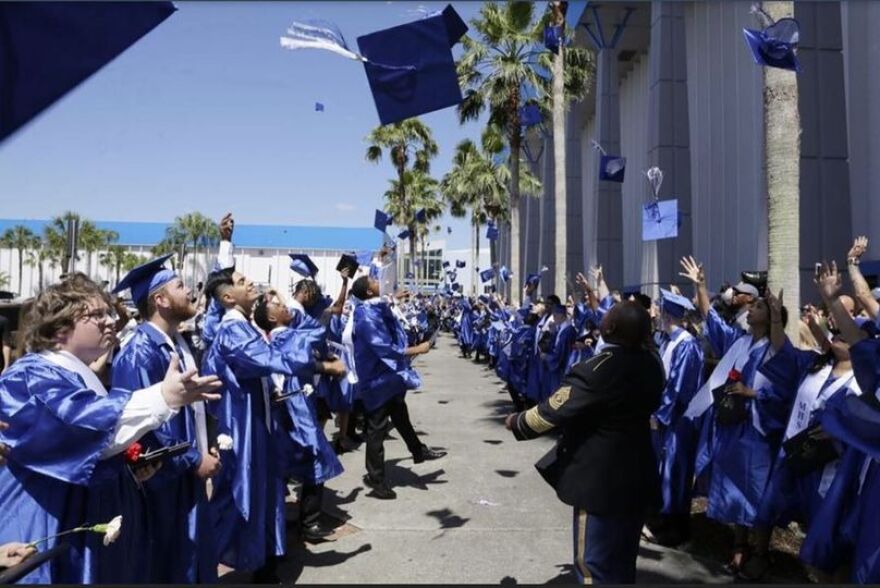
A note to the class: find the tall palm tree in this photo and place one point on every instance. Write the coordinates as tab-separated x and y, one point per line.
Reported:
4	280
497	71
55	234
92	239
410	146
41	253
196	229
113	259
415	189
22	239
174	243
782	149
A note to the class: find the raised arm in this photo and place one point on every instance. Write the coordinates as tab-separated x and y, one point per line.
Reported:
694	272
337	306
860	286
601	287
777	329
828	283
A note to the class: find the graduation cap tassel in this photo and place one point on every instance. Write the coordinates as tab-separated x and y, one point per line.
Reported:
655	179
764	19
597	147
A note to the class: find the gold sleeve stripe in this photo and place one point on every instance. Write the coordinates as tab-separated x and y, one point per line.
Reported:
599	360
536	422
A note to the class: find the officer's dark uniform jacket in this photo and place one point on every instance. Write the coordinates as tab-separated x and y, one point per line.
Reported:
604	462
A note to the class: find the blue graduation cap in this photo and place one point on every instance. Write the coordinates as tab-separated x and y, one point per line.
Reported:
504	273
483	298
675	304
364	257
146	279
410	275
533	279
319	107
410	67
487	275
660	220
445	264
404	234
775	46
303	265
456	287
491	231
530	115
459	263
612	168
422	216
552	37
44	53
448	230
382	220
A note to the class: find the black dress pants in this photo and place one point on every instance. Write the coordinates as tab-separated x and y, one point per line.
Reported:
377	427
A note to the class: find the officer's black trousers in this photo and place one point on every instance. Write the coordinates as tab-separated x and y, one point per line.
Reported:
377	427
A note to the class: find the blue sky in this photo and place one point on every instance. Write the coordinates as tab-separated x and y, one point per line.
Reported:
209	113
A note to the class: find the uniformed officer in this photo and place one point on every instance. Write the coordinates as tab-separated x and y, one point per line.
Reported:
604	464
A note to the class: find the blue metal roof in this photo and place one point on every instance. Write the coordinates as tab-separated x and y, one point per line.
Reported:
246	236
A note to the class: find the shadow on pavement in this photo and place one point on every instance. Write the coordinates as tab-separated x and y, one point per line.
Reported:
507	473
401	476
447	519
297	559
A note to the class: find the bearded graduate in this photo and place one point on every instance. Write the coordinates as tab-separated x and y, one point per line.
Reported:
180	528
67	434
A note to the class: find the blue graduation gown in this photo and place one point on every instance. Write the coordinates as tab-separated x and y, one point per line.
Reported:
308	456
383	369
675	439
466	329
340	392
58	430
555	362
248	499
736	460
180	527
535	377
521	352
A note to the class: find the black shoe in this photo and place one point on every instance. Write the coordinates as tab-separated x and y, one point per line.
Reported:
428	454
380	489
316	533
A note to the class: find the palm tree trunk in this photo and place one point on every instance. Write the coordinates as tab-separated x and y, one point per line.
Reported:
412	258
560	271
515	295
475	255
782	148
20	270
40	273
195	261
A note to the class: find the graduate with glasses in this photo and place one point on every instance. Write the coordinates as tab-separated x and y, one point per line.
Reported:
67	434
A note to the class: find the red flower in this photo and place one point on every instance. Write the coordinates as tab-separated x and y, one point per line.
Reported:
734	376
133	452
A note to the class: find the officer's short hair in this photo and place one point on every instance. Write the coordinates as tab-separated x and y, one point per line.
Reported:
627	324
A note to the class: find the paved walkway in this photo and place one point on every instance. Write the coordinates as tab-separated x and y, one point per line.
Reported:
482	514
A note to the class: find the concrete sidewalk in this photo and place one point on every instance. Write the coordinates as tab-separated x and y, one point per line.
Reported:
482	514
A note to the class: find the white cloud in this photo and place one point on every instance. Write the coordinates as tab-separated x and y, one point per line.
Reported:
344	207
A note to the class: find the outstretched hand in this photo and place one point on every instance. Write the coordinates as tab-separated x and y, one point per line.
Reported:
859	246
226	226
692	270
775	304
828	281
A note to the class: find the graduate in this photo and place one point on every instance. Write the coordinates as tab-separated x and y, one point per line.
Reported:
739	432
248	498
180	529
382	361
466	335
67	434
555	360
682	357
308	456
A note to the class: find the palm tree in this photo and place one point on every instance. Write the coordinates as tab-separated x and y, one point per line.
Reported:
174	242
4	280
496	70
41	253
782	150
197	230
113	259
20	238
410	146
92	239
55	234
414	190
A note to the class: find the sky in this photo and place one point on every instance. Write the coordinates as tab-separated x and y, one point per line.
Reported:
208	113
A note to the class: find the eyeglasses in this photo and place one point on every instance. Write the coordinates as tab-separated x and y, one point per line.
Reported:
101	314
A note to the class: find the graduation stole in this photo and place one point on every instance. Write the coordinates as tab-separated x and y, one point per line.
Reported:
811	393
71	363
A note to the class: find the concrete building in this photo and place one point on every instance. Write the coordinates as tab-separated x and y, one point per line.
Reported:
676	87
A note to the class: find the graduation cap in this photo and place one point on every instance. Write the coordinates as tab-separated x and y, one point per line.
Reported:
456	287
487	275
48	37
410	67
530	115
422	216
612	168
445	264
552	38
534	279
660	220
319	107
448	230
459	263
675	304
382	220
146	279
349	262
504	273
491	231
303	265
483	298
410	275
775	45
404	234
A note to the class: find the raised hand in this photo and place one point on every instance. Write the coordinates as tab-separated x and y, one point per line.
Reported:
226	226
774	303
692	270
828	282
859	246
182	388
596	273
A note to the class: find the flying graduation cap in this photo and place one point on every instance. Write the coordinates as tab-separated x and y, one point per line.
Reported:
448	230
491	231
382	220
44	55
534	279
422	216
404	234
611	167
530	115
660	218
445	264
319	107
776	44
459	263
146	279
487	275
303	265
504	273
409	67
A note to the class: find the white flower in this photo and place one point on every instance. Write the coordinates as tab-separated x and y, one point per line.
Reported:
112	530
307	389
224	442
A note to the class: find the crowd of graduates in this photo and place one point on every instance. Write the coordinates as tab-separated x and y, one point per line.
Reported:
772	432
152	445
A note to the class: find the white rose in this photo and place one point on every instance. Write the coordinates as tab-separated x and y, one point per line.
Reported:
307	389
112	530
224	442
